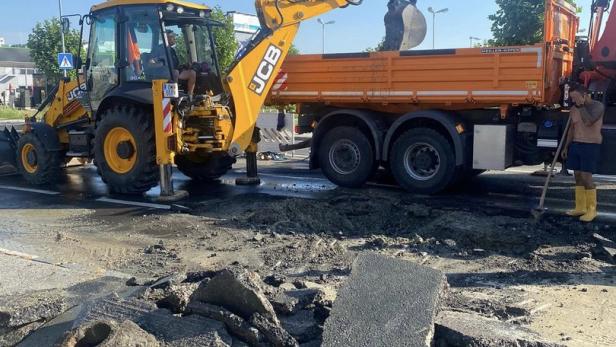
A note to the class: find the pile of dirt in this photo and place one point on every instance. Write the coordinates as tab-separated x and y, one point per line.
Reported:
357	216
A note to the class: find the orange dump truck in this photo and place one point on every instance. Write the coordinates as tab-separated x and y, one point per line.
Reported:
433	117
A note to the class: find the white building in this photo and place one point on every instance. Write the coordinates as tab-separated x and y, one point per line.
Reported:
16	71
246	25
2	42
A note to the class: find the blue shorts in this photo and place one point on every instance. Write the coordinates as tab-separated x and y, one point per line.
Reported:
584	157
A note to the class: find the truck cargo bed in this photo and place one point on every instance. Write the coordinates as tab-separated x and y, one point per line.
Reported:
451	78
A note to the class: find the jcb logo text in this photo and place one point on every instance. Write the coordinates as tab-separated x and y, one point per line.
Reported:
266	70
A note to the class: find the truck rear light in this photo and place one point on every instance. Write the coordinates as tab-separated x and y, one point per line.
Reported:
297	129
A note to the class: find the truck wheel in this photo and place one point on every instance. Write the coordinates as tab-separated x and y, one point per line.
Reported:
37	165
125	150
346	157
423	161
204	169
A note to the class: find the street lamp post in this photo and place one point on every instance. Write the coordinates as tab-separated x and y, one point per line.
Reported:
323	24
62	33
434	13
473	38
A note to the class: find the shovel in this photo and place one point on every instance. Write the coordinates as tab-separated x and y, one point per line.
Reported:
540	210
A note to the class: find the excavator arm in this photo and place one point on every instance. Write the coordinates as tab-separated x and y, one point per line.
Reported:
257	66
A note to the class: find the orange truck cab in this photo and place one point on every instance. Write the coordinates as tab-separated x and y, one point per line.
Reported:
435	117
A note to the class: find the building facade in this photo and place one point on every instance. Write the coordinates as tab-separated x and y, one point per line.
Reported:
246	25
17	71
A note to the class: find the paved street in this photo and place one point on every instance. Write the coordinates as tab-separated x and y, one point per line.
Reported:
515	189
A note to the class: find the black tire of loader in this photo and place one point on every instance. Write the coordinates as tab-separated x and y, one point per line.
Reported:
209	170
145	174
446	170
48	163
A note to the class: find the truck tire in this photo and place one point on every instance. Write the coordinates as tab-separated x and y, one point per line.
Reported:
204	169
423	161
37	165
125	150
346	157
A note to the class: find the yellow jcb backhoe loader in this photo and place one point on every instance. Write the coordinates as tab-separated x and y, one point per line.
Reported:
129	114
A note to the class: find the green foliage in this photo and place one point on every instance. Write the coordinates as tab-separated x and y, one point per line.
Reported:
226	44
518	22
293	50
7	113
45	43
379	48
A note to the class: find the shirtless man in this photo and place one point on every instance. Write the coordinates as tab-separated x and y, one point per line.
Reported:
583	150
188	75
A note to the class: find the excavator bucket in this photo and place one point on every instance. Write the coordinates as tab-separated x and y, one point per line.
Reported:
8	146
405	25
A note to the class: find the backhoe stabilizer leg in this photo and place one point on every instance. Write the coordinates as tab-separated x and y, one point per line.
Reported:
167	193
252	174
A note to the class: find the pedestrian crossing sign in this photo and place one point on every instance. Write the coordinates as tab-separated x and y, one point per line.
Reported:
65	61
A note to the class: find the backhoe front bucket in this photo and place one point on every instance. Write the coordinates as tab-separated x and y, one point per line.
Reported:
8	146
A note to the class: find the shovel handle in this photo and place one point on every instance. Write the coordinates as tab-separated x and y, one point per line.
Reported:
558	152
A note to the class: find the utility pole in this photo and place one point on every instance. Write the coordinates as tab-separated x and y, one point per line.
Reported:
472	38
323	24
434	13
62	33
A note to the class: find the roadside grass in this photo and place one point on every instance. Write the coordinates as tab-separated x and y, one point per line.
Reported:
7	113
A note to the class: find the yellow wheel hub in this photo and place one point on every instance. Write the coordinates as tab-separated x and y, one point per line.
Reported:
120	150
28	158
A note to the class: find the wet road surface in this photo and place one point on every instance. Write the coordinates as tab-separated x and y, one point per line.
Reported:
515	190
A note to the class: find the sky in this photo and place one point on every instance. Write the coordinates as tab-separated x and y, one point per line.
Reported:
356	27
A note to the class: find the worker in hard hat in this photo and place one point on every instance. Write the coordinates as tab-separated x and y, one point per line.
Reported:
583	150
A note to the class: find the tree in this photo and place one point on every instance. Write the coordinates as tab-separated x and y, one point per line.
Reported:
226	44
379	48
45	43
293	50
518	22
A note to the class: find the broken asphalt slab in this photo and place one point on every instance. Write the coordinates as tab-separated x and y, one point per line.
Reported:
386	302
459	329
193	330
109	334
55	310
607	247
238	291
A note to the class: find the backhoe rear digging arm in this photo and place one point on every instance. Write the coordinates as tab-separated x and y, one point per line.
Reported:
253	74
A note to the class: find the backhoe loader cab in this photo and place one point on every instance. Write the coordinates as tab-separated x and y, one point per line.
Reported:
133	43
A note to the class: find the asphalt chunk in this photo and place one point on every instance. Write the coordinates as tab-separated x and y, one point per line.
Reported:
467	329
386	302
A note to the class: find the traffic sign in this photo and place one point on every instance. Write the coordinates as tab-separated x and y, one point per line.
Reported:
65	61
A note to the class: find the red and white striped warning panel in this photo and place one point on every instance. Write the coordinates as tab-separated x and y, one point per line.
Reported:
281	81
167	128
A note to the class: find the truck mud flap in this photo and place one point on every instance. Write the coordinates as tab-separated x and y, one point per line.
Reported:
8	146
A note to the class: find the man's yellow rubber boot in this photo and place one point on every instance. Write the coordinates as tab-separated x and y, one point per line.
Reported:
580	203
591	206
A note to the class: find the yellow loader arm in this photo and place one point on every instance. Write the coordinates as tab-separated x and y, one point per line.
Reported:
255	70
